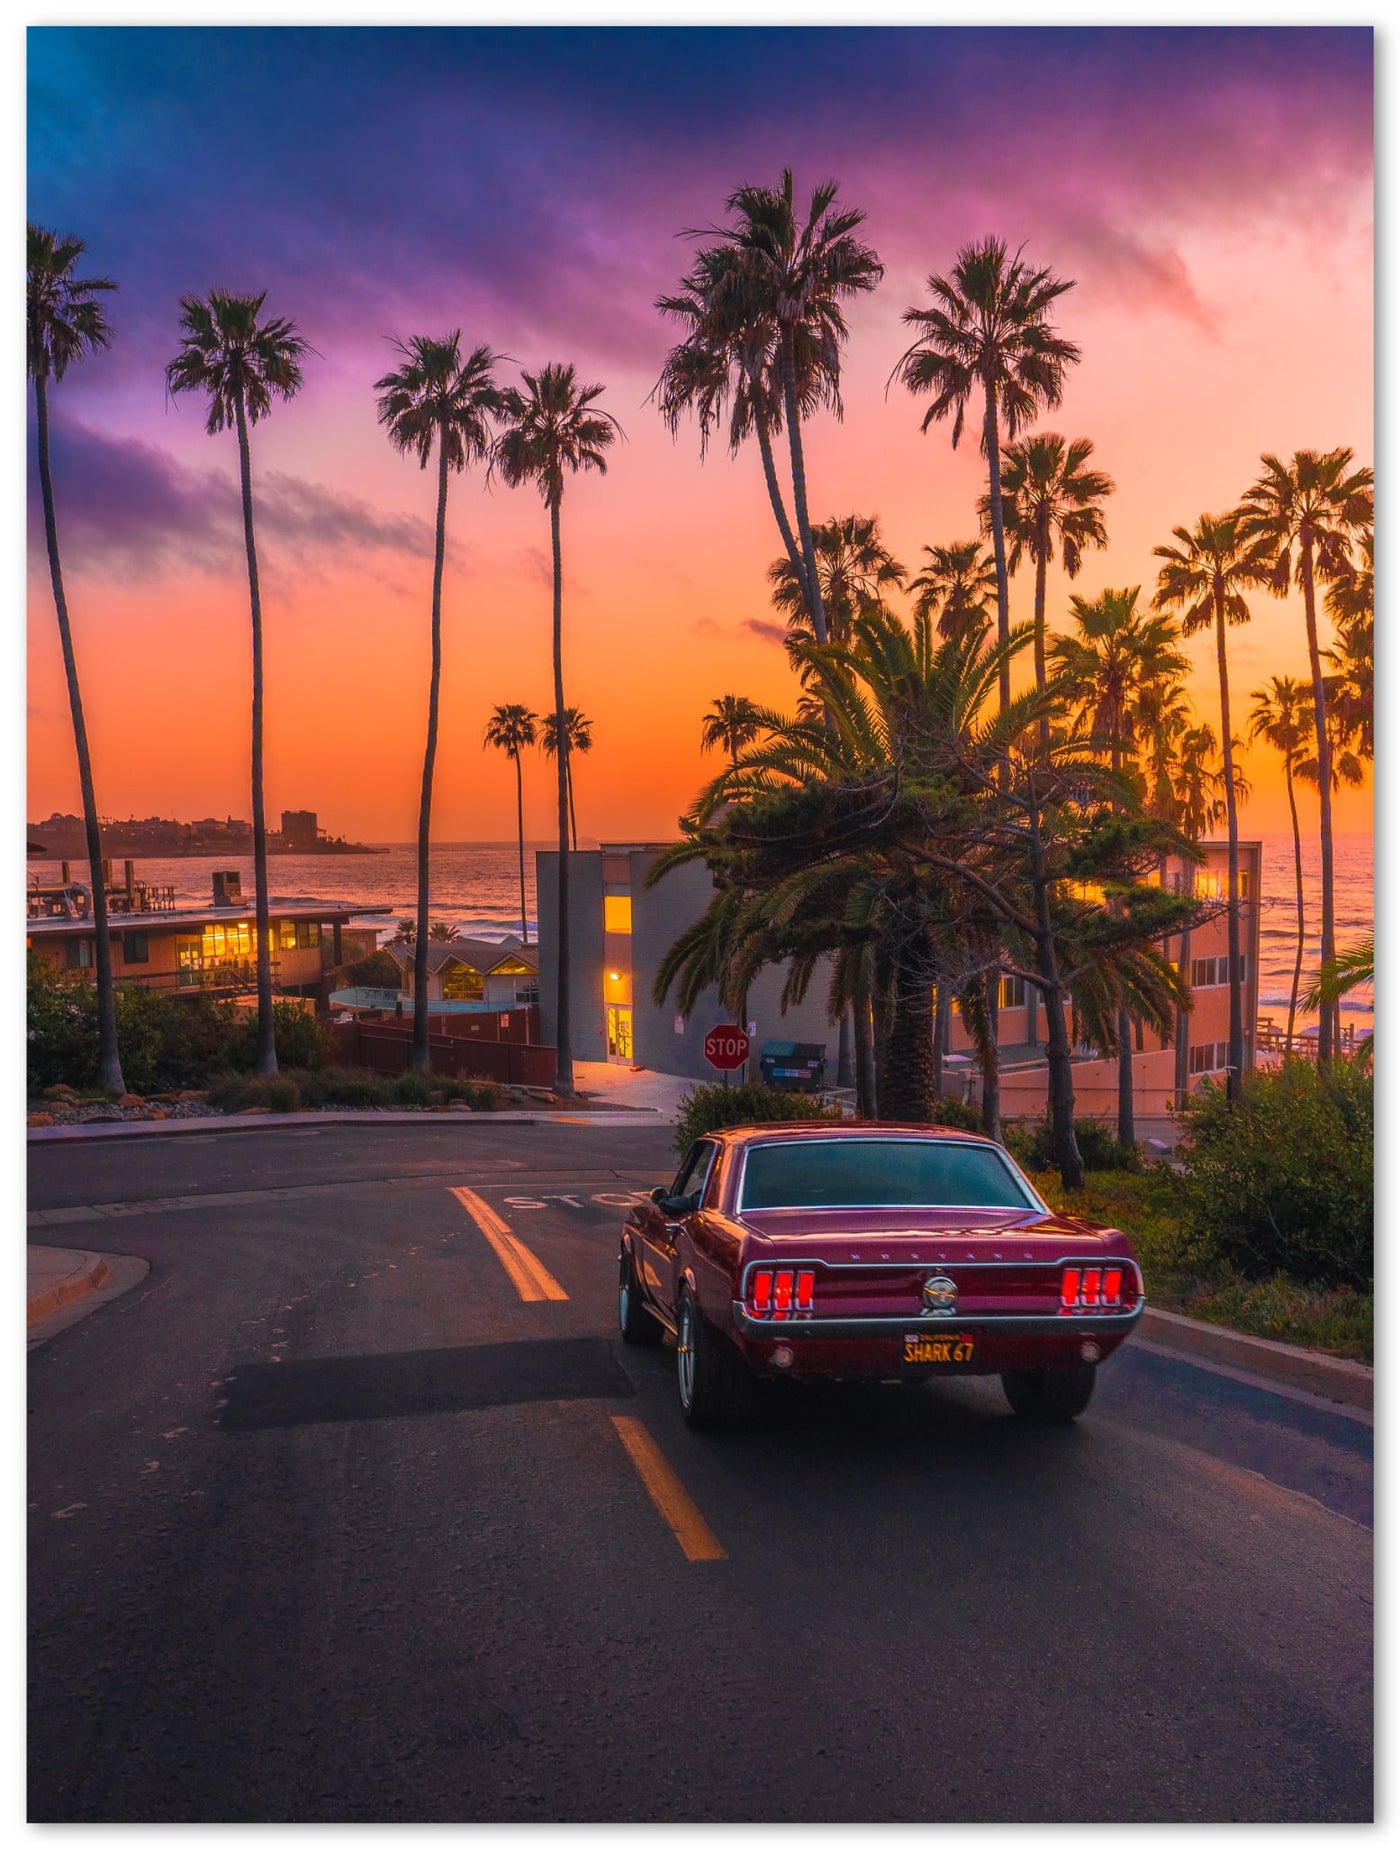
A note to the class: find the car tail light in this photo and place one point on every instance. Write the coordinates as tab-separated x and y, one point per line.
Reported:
780	1294
1092	1287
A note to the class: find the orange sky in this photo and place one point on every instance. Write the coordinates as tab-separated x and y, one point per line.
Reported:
1220	334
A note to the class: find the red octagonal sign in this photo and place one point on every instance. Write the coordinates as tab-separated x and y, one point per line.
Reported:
727	1047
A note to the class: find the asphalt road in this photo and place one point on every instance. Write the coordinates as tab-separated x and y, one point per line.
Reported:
327	1522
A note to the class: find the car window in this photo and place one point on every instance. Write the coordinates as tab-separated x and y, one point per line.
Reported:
694	1172
870	1173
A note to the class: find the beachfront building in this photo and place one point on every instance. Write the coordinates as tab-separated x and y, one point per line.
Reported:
469	973
187	950
620	929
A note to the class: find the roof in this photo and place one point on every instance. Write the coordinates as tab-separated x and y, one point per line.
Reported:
797	1130
481	954
327	911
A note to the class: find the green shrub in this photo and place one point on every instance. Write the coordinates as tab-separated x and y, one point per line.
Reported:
301	1040
377	971
411	1089
711	1108
237	1091
1283	1181
480	1094
353	1088
165	1041
955	1115
1032	1145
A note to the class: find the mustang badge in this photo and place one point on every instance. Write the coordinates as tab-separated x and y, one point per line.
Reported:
940	1297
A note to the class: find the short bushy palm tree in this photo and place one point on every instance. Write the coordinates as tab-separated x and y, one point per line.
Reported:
64	323
510	729
436	401
956	587
771	292
1205	576
1280	718
989	331
579	730
1307	516
1051	500
552	430
242	364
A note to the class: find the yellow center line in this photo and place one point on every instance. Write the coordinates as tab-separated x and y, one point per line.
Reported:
667	1492
525	1272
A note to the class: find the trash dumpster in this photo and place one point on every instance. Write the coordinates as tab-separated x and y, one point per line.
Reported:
793	1066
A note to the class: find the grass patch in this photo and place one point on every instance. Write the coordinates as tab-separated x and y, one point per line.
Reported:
349	1088
1182	1274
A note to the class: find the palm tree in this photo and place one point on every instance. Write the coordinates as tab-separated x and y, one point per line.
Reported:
440	934
1111	669
406	932
955	587
1350	687
989	326
436	399
552	427
64	323
1048	496
580	739
733	721
1280	719
1194	804
770	295
1204	577
510	729
242	364
1319	505
854	569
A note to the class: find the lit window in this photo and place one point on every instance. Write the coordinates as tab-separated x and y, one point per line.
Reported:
617	912
460	983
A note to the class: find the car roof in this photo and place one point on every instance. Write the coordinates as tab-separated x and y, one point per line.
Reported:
800	1130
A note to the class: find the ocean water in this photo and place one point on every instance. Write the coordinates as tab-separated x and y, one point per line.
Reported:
475	888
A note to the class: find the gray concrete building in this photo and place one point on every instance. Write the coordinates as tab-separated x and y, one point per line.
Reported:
620	930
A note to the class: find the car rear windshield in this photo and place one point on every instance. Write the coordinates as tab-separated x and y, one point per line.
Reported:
867	1173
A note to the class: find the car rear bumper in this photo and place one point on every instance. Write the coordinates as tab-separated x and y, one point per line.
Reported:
875	1346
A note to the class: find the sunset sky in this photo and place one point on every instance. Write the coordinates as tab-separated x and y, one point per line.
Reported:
1209	191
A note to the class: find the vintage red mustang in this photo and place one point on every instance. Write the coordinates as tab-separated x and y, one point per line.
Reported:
870	1251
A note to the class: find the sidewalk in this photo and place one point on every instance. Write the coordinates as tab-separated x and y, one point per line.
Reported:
64	1285
622	1088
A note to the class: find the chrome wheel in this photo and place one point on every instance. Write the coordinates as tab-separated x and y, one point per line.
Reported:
634	1320
685	1354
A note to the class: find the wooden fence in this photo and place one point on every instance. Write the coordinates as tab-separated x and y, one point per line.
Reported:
384	1046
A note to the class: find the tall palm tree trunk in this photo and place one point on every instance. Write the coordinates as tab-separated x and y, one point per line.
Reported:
420	1058
109	1066
1181	1035
520	842
863	1048
1329	1017
1042	726
1298	888
799	486
906	1071
775	497
941	1001
563	1039
990	1059
1234	1079
1059	1062
992	444
1127	1127
573	819
267	1043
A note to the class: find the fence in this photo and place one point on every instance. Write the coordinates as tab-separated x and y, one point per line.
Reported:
384	1046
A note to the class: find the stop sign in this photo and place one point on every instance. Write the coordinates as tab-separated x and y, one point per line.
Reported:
727	1047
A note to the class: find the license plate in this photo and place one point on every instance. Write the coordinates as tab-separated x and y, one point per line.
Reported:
940	1346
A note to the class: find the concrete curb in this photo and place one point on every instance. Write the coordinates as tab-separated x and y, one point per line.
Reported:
89	1274
280	1120
1326	1375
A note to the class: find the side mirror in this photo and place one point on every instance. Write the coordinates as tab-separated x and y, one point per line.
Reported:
658	1195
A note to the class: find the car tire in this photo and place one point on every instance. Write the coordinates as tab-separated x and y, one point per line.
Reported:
1049	1394
714	1383
634	1320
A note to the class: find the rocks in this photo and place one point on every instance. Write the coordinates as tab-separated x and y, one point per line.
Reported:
37	1119
459	1104
130	1098
64	1093
251	1111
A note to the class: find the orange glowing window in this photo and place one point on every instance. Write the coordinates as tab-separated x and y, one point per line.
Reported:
617	912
